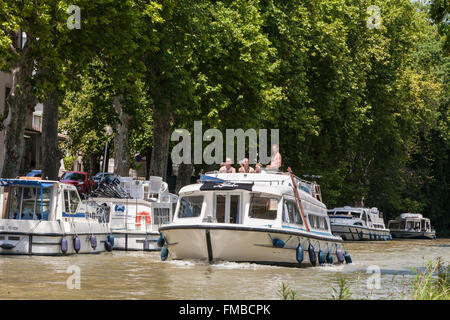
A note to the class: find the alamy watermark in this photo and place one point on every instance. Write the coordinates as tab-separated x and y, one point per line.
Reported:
213	152
374	19
74	280
74	20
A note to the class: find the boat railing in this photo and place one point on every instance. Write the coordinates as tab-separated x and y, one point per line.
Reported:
313	188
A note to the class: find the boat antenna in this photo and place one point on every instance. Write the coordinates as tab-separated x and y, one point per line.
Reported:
297	195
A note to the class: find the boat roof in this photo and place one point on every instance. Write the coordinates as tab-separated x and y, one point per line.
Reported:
355	209
411	215
31	182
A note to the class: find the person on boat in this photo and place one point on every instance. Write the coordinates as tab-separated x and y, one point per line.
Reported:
227	168
275	162
245	168
258	167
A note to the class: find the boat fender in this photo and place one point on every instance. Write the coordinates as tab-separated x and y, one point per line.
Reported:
435	237
108	246
64	245
7	246
370	235
379	237
76	244
146	244
164	253
384	239
343	237
277	243
329	258
160	242
299	253
110	239
312	255
93	241
347	257
360	234
340	255
321	256
390	237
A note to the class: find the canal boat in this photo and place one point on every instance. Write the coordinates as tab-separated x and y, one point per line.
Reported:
411	226
134	220
267	218
40	217
354	224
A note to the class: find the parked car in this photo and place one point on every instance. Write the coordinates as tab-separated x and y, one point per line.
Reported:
34	173
80	180
101	175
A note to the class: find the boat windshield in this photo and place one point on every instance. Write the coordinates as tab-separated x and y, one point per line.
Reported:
24	203
190	207
352	214
263	207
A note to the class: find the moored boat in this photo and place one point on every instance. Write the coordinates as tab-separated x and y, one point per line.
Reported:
271	218
354	224
411	226
39	217
134	220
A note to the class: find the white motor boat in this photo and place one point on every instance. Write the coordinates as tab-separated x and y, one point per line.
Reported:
134	221
40	217
411	226
260	218
358	224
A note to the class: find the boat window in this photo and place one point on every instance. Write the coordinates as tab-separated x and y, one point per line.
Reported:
291	214
263	208
190	207
402	225
161	216
220	208
235	204
74	200
25	203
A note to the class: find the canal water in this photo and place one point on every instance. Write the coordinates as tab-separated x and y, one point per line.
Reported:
142	275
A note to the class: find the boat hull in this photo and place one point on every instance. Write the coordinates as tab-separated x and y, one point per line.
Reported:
134	241
413	235
44	238
359	233
243	244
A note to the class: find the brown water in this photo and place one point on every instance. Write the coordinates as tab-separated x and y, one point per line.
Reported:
142	275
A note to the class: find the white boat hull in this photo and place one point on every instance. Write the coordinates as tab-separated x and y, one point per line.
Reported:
242	244
414	234
134	241
356	233
31	237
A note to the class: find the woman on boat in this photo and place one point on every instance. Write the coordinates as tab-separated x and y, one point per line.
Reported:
245	168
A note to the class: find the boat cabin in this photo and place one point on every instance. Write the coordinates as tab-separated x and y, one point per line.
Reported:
39	200
372	218
256	200
410	222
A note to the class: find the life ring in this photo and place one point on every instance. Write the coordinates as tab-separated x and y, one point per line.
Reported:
138	218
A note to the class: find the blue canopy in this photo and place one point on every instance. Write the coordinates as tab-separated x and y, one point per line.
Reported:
205	178
19	182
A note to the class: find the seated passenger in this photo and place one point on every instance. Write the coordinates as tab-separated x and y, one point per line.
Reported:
245	168
258	167
227	168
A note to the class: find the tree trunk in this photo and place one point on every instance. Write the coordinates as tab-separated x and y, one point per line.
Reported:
161	138
51	154
121	156
20	103
184	175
